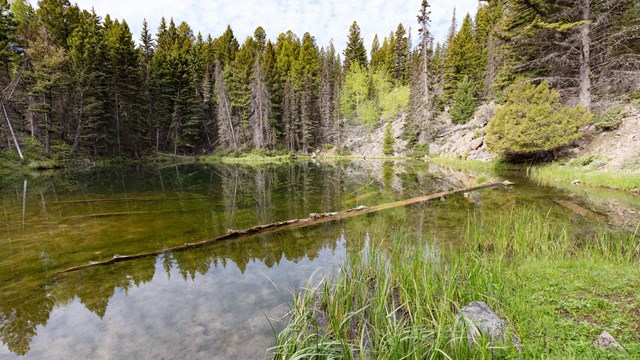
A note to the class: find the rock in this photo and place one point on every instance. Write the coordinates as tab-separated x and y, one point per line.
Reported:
477	143
434	148
481	320
606	341
576	182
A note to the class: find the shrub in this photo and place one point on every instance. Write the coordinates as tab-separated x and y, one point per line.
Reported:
610	119
533	121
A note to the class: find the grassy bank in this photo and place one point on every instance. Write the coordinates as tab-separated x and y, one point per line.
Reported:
556	174
458	163
558	290
253	159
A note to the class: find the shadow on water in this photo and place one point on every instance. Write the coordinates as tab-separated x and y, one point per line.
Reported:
211	302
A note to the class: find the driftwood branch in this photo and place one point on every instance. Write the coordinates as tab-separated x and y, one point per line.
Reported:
313	219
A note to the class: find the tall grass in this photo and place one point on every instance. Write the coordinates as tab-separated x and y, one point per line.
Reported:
554	174
403	301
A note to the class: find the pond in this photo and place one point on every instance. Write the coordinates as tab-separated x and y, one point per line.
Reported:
226	300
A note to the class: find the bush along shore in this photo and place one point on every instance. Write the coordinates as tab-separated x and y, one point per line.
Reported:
524	286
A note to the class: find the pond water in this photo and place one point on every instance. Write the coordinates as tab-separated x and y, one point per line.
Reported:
222	301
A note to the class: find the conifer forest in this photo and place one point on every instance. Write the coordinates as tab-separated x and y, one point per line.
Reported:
78	82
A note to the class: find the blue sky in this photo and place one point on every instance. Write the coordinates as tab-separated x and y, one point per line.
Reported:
326	20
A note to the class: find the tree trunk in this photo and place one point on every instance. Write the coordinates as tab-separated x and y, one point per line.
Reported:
118	127
13	135
585	56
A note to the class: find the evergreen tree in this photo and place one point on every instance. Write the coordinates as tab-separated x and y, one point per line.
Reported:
225	47
465	101
533	123
59	18
8	39
86	59
377	56
578	45
401	51
226	123
388	140
355	51
124	83
260	108
463	57
45	78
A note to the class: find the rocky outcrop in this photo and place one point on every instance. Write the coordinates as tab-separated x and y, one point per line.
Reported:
619	148
466	140
360	140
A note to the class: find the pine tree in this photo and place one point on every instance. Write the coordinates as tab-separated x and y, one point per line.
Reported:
86	58
260	108
355	51
45	78
124	84
238	80
225	47
465	101
290	116
463	57
328	83
377	56
226	122
401	50
388	140
425	47
578	45
8	39
59	18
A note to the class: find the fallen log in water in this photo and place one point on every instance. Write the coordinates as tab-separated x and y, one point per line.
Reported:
313	219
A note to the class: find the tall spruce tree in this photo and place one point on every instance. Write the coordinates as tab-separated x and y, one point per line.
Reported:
463	58
260	108
355	51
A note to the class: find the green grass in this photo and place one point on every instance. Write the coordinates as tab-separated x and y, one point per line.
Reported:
458	163
554	174
558	290
253	159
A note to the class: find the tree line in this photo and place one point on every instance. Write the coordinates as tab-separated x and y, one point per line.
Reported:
78	83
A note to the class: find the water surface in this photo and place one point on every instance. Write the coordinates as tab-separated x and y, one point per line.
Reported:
223	301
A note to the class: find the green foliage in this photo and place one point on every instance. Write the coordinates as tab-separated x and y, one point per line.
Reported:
355	51
388	140
533	120
419	151
367	113
465	102
610	119
463	58
393	101
401	302
593	161
368	96
554	174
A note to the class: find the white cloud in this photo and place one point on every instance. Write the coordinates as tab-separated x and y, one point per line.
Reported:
324	19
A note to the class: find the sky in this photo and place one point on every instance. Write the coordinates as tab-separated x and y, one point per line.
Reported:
325	19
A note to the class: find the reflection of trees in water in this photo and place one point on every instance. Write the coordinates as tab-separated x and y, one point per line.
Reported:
248	196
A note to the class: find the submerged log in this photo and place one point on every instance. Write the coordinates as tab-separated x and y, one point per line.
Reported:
584	212
313	219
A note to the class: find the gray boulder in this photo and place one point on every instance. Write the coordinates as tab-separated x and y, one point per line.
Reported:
606	341
481	320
